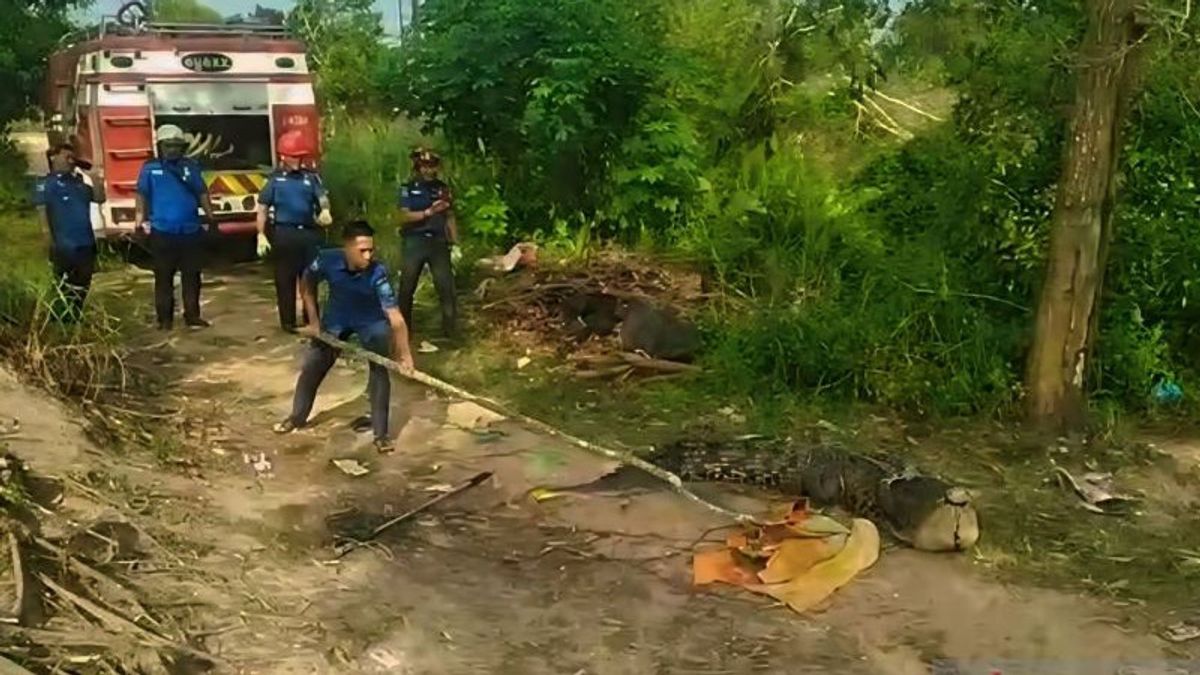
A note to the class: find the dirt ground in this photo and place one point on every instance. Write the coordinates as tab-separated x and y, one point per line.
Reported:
489	581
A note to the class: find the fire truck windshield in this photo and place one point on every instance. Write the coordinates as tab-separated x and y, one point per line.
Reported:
227	124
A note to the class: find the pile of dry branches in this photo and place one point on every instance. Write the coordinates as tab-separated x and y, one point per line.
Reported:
64	604
526	305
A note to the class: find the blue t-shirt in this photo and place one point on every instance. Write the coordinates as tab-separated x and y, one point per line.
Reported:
68	202
356	299
295	195
172	190
419	195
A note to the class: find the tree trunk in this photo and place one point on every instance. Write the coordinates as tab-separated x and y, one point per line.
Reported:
1068	309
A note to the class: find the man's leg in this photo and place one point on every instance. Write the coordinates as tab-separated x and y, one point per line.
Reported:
191	260
79	279
62	270
163	252
378	339
318	359
443	282
311	247
412	261
287	254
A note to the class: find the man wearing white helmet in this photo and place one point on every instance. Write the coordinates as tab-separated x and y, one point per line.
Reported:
170	194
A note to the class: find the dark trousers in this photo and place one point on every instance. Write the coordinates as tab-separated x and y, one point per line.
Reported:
293	249
182	253
420	251
73	270
320	357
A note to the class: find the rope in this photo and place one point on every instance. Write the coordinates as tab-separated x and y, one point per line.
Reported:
622	456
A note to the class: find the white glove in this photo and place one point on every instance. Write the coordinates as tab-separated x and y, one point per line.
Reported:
455	254
263	245
324	218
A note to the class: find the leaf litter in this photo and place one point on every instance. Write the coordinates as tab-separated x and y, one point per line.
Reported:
800	560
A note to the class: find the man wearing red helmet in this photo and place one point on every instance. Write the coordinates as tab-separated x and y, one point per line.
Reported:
430	236
299	204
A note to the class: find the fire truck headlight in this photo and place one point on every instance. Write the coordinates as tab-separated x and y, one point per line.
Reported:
122	215
248	203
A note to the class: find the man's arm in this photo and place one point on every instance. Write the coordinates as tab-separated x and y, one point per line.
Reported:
451	227
139	203
412	216
47	228
201	189
308	297
265	199
206	204
400	346
39	200
401	351
98	194
324	217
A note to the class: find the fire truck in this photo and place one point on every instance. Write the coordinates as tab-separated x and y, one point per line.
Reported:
232	88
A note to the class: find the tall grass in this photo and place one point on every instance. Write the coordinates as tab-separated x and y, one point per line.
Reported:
73	359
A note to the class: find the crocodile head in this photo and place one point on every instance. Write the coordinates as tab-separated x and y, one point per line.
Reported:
929	514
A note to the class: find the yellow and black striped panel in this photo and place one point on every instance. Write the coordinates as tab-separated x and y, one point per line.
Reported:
234	183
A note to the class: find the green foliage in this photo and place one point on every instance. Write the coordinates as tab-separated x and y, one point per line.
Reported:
185	11
550	89
851	263
342	37
14	183
28	33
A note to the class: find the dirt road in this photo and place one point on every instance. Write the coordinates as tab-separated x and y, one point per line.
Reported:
491	582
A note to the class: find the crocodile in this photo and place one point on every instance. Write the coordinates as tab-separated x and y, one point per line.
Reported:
923	511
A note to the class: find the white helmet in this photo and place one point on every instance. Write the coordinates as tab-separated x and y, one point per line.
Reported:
168	133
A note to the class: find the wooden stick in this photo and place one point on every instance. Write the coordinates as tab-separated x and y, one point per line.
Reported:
119	624
603	372
84	570
625	457
658	364
9	668
18	569
911	107
476	480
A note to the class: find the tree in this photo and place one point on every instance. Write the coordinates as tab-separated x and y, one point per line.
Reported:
343	46
1069	306
28	33
188	11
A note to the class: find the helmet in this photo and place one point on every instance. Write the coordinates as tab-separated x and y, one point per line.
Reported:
424	156
293	143
169	133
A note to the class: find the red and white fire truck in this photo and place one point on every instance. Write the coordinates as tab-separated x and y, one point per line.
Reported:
232	88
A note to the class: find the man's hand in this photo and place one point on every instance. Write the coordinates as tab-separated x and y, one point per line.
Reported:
439	206
455	254
264	245
406	363
324	218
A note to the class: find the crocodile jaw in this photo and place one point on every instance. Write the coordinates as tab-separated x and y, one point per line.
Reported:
949	527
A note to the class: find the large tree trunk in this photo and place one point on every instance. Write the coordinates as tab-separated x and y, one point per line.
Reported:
1067	316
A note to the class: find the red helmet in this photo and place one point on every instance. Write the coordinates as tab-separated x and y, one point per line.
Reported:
293	143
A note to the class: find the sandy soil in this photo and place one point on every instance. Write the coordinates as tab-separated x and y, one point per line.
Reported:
491	582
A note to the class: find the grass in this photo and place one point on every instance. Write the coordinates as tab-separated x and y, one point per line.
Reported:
1034	531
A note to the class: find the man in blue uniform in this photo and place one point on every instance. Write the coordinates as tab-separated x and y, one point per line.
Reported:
361	302
65	202
300	204
430	235
170	194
